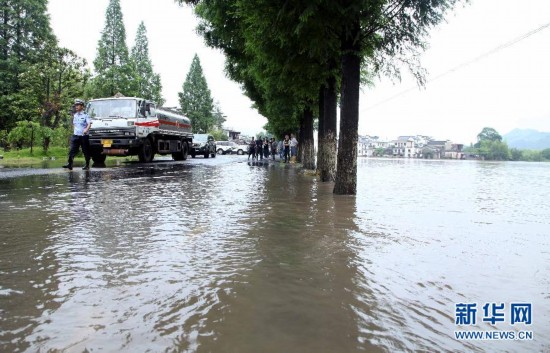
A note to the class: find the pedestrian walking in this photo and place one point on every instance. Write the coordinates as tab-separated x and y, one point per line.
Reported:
281	149
259	144
252	149
286	146
273	147
80	138
266	148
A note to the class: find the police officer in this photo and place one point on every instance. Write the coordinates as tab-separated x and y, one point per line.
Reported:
80	138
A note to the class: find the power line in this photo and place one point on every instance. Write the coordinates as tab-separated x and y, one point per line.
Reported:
466	63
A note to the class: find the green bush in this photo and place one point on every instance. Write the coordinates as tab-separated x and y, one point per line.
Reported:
218	135
24	134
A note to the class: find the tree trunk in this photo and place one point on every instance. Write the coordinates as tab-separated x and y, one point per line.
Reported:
46	144
306	140
346	172
327	137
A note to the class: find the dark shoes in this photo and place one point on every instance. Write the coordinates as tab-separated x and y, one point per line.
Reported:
70	167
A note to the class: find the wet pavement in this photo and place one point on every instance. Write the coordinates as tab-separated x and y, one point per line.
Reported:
222	255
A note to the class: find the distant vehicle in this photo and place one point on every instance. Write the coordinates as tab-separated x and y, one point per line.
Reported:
240	148
203	144
225	147
125	126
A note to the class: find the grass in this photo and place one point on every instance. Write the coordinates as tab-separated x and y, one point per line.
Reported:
24	157
37	154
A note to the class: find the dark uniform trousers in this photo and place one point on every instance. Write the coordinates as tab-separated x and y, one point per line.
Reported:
76	143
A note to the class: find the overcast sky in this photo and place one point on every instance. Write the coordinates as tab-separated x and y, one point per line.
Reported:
506	90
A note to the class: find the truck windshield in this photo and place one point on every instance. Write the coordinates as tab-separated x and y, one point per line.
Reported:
114	108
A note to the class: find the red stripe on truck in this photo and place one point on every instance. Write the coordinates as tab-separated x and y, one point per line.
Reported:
157	123
172	123
154	123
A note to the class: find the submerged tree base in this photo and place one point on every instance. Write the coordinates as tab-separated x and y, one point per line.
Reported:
327	158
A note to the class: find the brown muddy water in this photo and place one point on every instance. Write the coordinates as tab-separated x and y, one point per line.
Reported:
223	256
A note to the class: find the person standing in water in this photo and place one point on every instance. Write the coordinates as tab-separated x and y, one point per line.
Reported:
252	149
80	138
286	146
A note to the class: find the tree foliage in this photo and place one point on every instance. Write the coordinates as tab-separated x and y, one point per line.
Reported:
195	99
487	134
218	135
219	117
494	150
148	82
114	70
49	87
24	34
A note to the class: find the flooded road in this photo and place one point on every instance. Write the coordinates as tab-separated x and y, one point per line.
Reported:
220	255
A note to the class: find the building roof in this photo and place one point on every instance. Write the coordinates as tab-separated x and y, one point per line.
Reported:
437	143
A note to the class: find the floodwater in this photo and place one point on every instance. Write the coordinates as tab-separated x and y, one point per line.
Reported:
225	256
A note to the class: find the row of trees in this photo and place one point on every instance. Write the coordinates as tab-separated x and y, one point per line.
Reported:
39	79
491	147
116	69
296	60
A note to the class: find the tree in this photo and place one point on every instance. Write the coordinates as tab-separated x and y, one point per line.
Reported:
219	117
25	133
114	71
218	135
148	82
386	34
195	99
546	154
487	134
24	33
516	154
494	150
49	88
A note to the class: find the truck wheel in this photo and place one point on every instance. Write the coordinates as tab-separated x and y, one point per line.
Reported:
240	152
99	158
181	155
220	151
146	153
185	151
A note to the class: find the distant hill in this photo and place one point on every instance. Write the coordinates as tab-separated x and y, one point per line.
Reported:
527	139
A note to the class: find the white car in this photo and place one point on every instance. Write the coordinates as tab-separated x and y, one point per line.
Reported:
240	149
225	147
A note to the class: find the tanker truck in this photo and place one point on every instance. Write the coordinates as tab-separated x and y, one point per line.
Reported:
129	126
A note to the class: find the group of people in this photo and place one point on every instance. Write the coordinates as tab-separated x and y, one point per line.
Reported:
262	148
